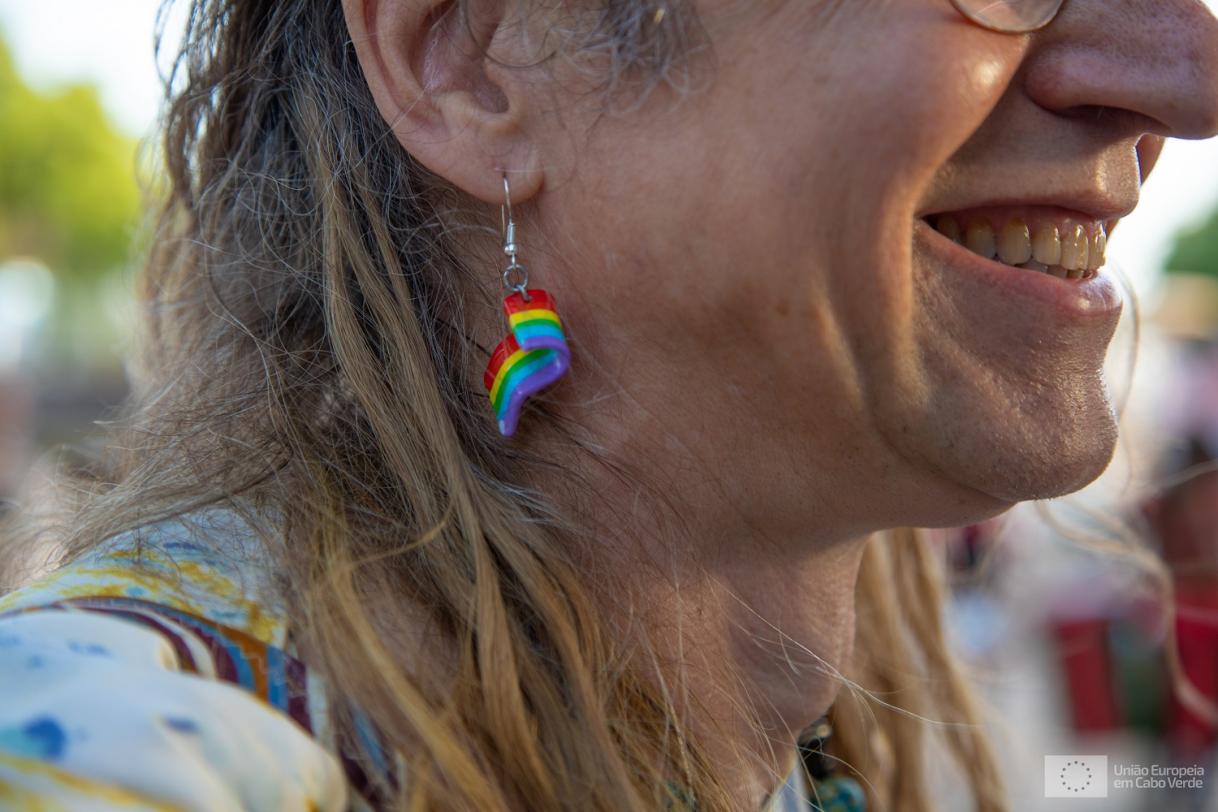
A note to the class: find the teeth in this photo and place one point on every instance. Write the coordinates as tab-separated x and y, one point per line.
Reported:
1095	250
1074	249
1068	253
1047	245
1015	243
948	227
980	240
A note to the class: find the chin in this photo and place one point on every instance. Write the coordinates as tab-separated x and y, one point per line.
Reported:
1059	464
992	460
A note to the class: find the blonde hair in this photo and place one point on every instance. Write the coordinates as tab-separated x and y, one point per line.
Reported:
304	361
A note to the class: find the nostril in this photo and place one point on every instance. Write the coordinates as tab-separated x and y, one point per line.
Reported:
1131	68
1115	119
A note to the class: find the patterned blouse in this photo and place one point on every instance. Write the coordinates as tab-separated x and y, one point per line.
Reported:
124	689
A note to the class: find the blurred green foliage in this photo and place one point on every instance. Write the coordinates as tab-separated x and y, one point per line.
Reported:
68	189
1195	250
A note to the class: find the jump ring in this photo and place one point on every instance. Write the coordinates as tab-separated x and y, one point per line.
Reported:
521	274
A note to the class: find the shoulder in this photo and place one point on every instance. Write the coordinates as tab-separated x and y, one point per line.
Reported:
98	715
149	674
171	641
208	563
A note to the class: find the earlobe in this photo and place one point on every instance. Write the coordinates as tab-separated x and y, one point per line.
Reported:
426	68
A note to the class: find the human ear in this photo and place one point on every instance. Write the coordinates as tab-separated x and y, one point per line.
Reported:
455	109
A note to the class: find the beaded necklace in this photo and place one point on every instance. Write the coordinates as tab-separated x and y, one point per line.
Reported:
828	791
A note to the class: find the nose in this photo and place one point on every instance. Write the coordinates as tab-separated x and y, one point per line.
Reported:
1155	60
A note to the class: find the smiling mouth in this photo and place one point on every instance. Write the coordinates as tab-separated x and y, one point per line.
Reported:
1029	238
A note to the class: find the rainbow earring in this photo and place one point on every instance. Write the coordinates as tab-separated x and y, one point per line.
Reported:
534	354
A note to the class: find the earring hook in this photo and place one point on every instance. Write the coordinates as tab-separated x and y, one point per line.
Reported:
506	221
505	218
510	248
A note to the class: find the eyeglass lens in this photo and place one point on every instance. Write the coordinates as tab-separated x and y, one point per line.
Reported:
1013	16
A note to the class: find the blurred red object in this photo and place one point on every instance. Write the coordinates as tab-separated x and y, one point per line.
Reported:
1185	520
1197	633
1082	646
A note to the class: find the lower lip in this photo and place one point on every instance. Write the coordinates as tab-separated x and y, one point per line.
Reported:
1073	299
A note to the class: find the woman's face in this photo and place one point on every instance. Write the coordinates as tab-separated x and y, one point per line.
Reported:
748	272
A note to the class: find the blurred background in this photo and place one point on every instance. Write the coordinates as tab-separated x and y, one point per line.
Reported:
1069	639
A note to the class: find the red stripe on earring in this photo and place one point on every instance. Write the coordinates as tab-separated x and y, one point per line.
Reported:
502	352
538	300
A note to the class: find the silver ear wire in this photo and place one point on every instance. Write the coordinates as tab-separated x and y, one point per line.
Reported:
515	276
505	217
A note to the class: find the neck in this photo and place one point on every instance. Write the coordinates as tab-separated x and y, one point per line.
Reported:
751	624
760	646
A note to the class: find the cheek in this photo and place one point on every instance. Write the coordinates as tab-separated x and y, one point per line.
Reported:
931	95
767	223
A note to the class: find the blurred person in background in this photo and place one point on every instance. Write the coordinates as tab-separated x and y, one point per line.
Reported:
1183	513
794	278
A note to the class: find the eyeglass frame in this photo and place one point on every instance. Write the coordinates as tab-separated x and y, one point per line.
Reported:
958	5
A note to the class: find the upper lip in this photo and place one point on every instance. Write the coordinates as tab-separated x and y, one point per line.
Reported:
1087	205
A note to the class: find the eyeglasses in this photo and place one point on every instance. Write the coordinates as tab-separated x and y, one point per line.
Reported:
1010	16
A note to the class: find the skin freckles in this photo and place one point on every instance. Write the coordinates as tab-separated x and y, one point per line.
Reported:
759	336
